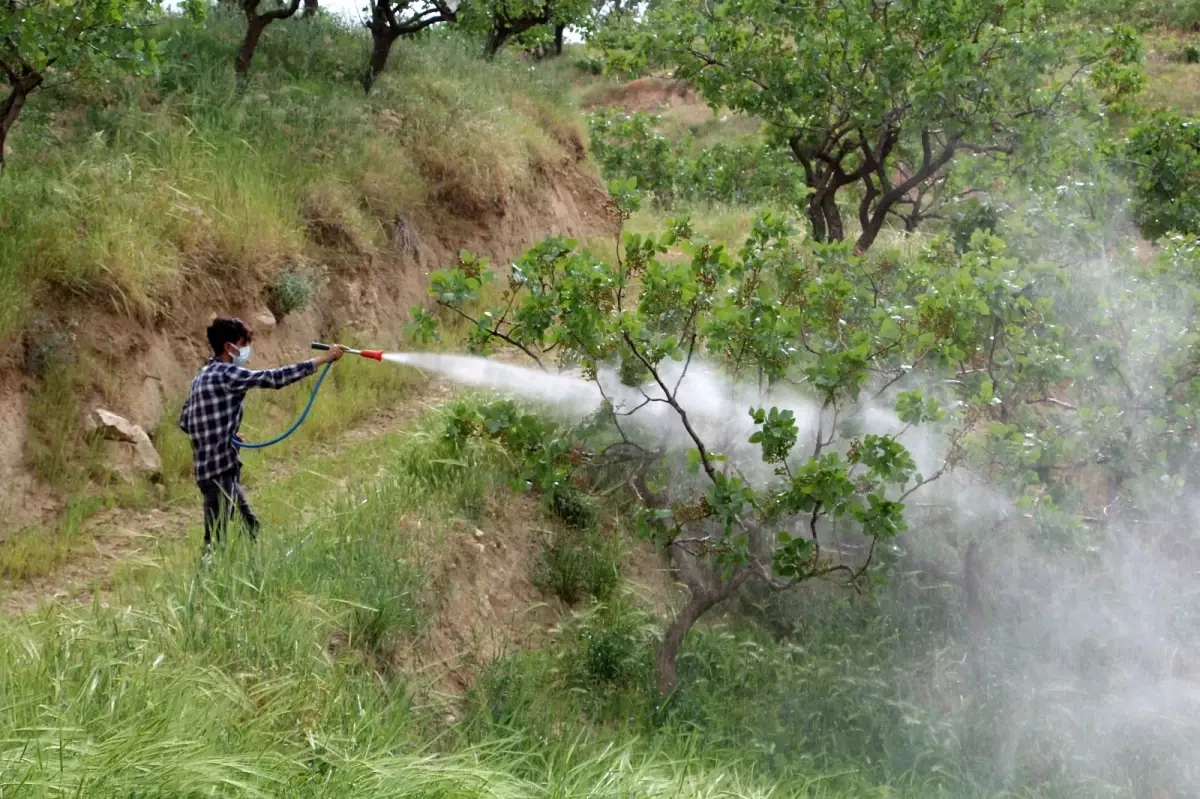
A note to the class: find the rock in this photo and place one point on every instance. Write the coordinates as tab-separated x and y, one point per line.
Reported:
115	428
478	533
128	450
264	320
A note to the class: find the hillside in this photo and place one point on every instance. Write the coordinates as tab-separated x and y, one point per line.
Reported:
789	512
136	210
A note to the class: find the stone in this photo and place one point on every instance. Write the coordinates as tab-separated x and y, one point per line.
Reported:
128	449
114	427
264	320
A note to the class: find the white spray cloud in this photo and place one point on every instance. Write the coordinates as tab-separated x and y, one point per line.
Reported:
1091	655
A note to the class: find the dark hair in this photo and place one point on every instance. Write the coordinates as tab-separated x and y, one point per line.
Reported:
224	331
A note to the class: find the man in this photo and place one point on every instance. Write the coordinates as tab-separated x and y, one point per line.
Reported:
213	412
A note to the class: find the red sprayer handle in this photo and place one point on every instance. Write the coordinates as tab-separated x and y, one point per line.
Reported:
373	354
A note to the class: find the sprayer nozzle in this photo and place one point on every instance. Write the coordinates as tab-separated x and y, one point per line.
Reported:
374	354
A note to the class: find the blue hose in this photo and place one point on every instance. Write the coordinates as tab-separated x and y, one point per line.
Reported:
311	398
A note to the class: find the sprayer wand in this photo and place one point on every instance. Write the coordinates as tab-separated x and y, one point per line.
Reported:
376	355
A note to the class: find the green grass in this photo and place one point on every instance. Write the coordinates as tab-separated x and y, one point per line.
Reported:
181	178
273	672
152	197
1172	83
40	549
270	673
276	671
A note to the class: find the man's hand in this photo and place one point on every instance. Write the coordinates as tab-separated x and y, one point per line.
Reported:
334	352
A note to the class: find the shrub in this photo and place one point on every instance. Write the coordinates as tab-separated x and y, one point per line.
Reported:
1163	154
747	173
46	346
573	507
576	565
972	215
293	290
628	146
612	646
592	65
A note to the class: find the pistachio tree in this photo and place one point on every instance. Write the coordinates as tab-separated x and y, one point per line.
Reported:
876	100
500	22
42	41
786	316
1162	155
389	20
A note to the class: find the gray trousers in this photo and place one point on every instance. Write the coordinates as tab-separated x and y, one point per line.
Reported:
222	495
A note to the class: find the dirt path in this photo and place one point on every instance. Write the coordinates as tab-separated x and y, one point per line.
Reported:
120	535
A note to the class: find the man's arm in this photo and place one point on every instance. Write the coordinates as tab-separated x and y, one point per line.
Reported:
238	379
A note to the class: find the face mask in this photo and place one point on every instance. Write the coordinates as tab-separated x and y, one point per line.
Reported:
243	356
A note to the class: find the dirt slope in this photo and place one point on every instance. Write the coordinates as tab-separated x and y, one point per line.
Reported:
140	366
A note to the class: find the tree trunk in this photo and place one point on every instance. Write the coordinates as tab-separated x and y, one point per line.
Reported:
666	663
11	107
504	29
931	162
833	216
559	32
825	216
869	233
381	49
310	8
496	38
254	28
816	218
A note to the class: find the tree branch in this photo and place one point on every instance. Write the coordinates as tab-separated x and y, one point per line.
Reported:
496	334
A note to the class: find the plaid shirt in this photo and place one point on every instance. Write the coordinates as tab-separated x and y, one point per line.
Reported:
213	410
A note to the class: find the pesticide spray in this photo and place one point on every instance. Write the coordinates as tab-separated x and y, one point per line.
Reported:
1045	695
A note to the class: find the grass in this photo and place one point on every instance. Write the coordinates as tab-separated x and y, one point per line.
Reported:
38	550
153	197
1172	83
275	672
272	672
181	177
224	681
356	390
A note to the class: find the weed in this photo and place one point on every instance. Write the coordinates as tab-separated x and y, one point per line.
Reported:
573	507
578	564
55	449
47	346
293	290
38	550
613	646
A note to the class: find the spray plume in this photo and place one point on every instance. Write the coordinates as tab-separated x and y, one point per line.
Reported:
1089	667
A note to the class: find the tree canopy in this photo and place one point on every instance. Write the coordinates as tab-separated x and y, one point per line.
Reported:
71	40
875	100
781	315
